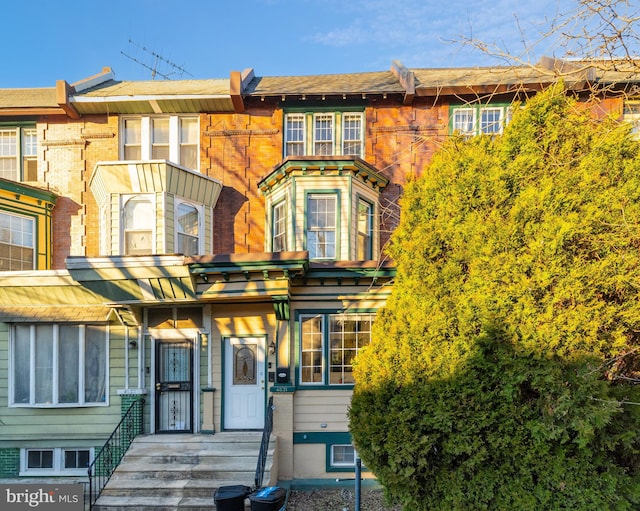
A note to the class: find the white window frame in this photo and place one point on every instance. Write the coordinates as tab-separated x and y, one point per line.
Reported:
324	141
200	210
175	142
125	229
58	462
468	120
294	124
337	464
319	374
279	227
21	243
348	117
368	233
55	367
23	151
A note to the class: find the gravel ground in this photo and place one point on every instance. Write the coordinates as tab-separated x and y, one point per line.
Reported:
337	500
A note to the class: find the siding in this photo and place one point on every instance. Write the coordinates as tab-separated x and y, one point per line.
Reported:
313	408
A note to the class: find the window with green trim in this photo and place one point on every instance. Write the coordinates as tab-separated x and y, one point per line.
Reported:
279	227
470	120
321	226
329	344
365	230
17	234
324	134
18	153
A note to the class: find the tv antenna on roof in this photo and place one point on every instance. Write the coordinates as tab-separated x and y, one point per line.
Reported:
158	60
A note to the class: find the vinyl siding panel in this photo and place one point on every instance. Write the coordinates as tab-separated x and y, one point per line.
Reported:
313	408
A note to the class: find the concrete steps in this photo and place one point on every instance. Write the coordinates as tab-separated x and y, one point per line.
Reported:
182	472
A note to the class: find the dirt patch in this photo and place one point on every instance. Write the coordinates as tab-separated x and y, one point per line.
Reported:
337	500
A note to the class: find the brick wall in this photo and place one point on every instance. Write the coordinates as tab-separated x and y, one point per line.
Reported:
9	463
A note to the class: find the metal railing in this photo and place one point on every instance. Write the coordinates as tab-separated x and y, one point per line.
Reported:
264	445
109	457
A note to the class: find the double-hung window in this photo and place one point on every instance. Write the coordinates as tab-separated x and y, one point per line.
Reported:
58	365
16	242
279	227
365	220
188	229
329	344
472	120
18	154
632	116
321	226
324	134
172	138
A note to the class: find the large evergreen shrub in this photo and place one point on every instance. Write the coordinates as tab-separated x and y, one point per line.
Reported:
500	375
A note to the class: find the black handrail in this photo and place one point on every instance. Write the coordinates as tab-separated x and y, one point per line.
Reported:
264	445
109	457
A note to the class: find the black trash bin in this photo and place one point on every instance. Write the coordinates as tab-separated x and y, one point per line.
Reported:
231	498
268	499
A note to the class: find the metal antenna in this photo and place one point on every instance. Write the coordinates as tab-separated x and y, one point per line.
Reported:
154	68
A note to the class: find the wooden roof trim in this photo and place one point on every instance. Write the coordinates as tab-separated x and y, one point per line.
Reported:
407	79
63	91
237	85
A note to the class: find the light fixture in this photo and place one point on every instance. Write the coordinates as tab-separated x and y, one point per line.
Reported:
133	343
272	348
204	277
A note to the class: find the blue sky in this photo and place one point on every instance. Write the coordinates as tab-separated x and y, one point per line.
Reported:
47	41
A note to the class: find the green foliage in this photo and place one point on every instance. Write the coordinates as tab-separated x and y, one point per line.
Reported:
497	376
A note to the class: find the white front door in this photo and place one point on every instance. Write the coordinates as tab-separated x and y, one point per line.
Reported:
244	383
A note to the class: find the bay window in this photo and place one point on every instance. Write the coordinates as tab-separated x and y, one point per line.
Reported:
58	365
139	219
188	229
279	228
17	251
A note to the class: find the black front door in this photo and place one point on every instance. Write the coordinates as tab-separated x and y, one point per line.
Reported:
174	386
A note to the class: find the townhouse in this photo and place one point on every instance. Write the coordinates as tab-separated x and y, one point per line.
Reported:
206	245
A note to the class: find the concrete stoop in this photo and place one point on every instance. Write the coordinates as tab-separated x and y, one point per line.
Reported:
182	472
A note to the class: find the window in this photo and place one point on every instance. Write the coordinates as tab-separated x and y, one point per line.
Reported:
171	138
188	224
57	460
139	218
323	135
343	456
294	135
18	154
321	226
332	133
365	217
331	341
280	227
189	137
160	138
632	116
132	139
58	365
479	119
352	134
16	242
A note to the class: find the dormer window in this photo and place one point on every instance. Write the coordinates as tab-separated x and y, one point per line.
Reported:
324	133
